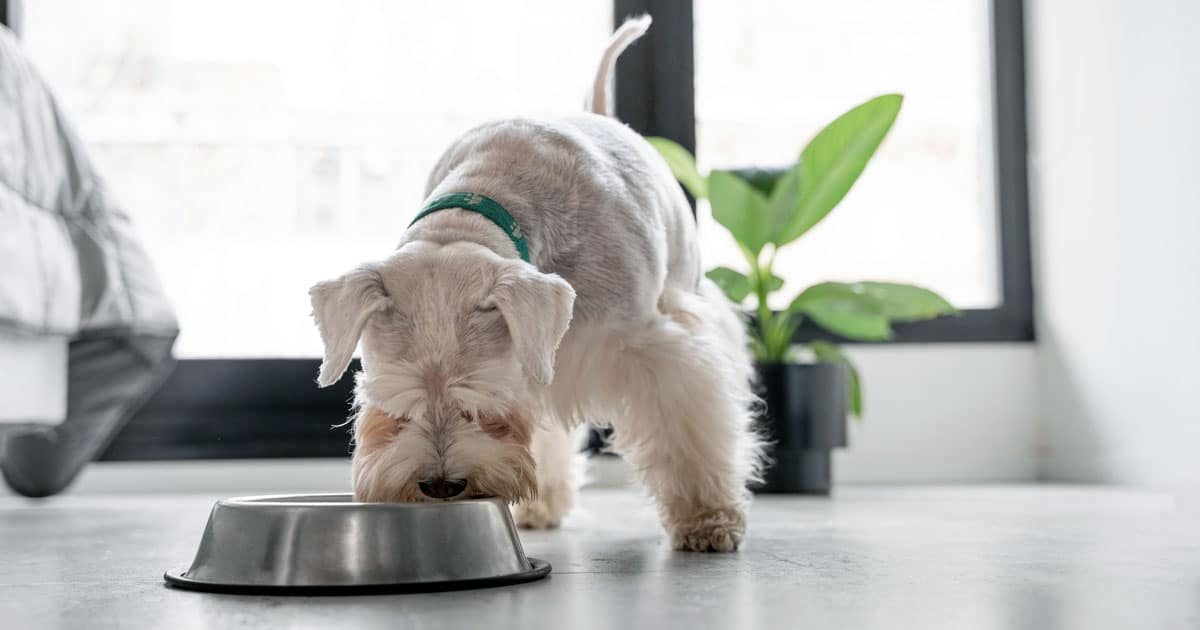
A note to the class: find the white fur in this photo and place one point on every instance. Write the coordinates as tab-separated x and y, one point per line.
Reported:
629	32
479	366
556	451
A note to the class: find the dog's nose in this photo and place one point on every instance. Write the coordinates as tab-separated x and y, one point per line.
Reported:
442	488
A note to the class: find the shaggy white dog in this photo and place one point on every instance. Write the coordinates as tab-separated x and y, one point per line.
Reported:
553	281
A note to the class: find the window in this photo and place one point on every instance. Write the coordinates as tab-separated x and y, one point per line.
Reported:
265	145
770	73
968	124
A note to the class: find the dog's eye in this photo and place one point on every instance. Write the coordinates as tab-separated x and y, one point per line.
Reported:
374	427
495	426
485	308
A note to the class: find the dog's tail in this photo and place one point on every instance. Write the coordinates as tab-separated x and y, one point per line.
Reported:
633	28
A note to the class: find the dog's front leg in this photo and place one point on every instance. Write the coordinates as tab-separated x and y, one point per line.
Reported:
687	434
556	454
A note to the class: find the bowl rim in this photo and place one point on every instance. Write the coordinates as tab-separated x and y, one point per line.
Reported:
293	500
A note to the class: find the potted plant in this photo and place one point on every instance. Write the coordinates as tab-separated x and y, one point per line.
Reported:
808	390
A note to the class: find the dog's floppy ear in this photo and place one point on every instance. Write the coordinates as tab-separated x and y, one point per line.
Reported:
537	308
341	308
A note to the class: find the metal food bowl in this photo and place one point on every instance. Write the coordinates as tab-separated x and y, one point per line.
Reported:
328	544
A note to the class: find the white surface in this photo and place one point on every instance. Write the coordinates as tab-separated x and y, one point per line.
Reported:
1117	229
33	388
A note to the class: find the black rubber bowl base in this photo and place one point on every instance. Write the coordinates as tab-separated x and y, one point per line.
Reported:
538	570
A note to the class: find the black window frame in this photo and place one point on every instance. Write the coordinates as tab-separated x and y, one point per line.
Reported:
268	408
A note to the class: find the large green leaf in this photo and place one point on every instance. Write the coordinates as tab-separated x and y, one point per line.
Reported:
682	164
782	204
740	208
735	285
834	159
906	302
782	189
844	310
850	320
827	352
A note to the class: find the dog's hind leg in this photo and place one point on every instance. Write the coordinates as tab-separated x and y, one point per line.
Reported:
559	463
686	378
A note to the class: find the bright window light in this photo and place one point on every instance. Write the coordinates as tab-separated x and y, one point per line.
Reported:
771	73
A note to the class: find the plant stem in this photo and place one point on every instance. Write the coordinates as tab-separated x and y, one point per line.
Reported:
765	316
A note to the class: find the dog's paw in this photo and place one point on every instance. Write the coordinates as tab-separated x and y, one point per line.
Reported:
715	530
548	510
535	515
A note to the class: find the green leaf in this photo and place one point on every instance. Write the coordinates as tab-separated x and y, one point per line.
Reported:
834	159
827	352
777	336
775	283
906	302
682	164
844	310
850	320
761	179
740	209
735	285
783	203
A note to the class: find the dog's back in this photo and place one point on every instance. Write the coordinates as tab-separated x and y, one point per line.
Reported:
597	204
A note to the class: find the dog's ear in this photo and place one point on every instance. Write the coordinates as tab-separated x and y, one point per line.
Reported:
341	308
537	308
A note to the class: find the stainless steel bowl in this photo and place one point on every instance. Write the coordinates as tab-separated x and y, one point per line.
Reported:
328	544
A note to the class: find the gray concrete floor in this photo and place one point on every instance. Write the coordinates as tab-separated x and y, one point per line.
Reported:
966	558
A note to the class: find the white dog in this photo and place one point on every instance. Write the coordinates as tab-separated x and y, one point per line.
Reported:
552	280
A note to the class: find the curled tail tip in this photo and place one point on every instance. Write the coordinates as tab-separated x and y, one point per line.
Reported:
630	31
638	24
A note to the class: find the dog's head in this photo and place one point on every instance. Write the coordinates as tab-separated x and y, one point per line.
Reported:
454	339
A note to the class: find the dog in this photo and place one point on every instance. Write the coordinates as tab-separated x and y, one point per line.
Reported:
552	281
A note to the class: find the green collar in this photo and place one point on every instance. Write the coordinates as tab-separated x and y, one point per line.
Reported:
485	206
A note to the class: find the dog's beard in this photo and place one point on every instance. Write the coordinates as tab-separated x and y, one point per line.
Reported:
419	421
393	454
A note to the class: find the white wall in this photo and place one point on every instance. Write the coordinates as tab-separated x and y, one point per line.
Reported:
1115	129
944	413
33	379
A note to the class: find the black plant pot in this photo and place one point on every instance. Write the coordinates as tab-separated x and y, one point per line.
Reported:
804	419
